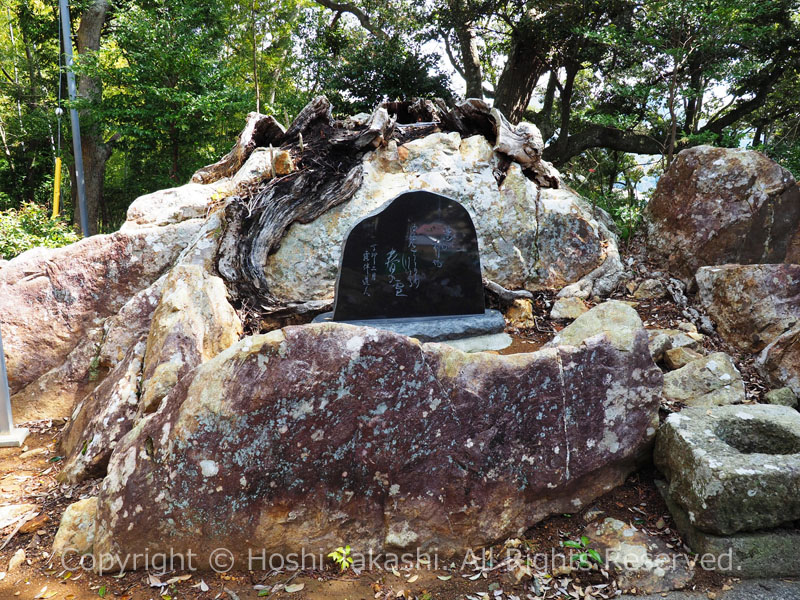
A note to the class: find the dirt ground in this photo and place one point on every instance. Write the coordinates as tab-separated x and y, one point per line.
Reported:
28	475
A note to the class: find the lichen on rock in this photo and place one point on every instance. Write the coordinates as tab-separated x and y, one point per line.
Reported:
315	434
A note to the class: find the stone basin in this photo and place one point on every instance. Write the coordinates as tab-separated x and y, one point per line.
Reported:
733	468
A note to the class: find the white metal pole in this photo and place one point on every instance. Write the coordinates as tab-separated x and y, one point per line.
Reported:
9	435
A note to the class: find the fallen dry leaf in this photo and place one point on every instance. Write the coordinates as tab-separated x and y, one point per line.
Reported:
34	523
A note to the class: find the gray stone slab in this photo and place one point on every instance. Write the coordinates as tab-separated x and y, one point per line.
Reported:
480	343
754	589
434	329
765	553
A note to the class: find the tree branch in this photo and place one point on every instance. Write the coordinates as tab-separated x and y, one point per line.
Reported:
601	136
449	51
7	75
359	14
742	109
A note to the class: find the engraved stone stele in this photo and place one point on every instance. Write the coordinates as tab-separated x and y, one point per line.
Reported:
413	267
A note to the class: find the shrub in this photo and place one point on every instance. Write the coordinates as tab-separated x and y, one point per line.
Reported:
29	226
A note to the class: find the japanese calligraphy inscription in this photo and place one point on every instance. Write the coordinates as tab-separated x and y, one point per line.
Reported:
416	257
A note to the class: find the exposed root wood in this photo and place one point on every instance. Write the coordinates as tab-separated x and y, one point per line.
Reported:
471	117
505	295
327	156
319	109
378	130
260	130
419	110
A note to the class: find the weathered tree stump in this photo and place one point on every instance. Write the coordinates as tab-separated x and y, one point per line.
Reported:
328	156
260	130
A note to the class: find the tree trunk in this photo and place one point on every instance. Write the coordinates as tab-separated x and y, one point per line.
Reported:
694	103
542	118
174	143
673	129
94	178
523	68
757	135
472	63
95	150
566	106
468	44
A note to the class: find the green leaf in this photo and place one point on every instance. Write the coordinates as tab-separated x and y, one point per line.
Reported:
102	591
571	544
584	541
595	555
264	592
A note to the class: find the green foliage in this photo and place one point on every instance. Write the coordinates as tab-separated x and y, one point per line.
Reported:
784	152
341	556
28	85
30	226
586	555
177	77
609	180
166	84
367	71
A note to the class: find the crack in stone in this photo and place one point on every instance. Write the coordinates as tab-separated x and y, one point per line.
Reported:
563	409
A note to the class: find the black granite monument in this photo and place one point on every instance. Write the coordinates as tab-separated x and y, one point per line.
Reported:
413	267
417	257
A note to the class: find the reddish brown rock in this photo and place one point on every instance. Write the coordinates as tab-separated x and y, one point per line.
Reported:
720	205
51	299
319	435
55	393
192	323
101	419
132	323
751	305
793	253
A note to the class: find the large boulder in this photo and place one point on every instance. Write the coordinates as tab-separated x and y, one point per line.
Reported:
101	419
175	205
779	363
52	300
528	237
192	323
320	435
751	305
721	205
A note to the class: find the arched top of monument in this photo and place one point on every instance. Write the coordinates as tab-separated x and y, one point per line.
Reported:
416	256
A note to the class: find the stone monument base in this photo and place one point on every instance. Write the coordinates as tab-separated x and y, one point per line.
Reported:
470	333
